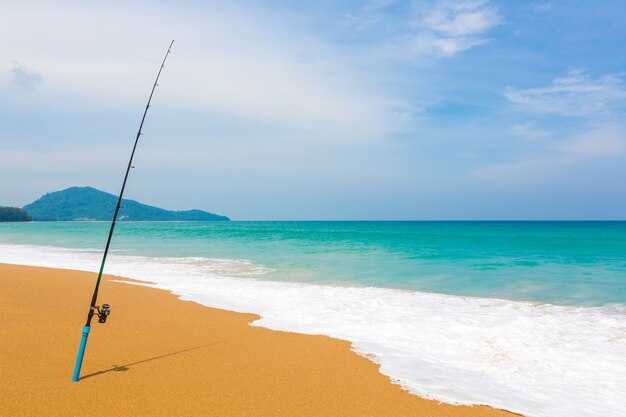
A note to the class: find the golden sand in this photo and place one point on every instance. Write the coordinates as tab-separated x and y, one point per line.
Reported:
160	356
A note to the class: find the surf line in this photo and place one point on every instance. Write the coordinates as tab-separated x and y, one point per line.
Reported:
103	311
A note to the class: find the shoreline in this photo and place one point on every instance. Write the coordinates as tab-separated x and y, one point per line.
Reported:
160	355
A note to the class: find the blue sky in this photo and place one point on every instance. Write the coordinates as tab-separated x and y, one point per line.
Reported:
384	109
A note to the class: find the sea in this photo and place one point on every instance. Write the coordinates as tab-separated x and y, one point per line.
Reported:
527	316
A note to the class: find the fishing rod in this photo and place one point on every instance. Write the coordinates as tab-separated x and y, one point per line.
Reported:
104	311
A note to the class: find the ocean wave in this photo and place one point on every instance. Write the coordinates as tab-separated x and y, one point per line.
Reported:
535	359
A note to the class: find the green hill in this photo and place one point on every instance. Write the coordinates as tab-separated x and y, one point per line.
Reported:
87	203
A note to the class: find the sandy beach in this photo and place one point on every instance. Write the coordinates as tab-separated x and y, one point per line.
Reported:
160	356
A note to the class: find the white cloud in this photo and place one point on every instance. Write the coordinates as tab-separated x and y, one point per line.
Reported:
452	46
25	77
236	63
528	130
453	19
605	142
576	94
454	26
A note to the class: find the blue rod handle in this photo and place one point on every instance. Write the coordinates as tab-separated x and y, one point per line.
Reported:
81	353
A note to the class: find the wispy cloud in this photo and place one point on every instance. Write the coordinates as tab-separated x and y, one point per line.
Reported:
596	103
557	158
228	61
528	130
457	19
605	142
426	27
576	94
25	77
454	26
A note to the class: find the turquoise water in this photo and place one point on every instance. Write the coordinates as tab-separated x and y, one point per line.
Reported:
535	359
569	263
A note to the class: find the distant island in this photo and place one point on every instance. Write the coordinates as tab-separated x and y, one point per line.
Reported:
88	203
14	214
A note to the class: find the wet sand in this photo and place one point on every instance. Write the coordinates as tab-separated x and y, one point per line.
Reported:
160	356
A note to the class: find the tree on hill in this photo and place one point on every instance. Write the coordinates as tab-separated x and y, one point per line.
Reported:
14	214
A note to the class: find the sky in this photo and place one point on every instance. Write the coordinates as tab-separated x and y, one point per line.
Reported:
321	110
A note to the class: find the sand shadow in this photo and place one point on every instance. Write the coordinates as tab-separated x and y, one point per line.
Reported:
126	367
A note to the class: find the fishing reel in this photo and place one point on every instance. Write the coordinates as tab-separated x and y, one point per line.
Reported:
103	313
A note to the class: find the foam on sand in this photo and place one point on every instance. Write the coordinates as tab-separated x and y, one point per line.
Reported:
535	359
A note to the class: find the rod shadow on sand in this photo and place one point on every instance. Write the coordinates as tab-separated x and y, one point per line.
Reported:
126	367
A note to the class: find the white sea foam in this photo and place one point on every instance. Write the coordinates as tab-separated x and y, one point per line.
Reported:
535	359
